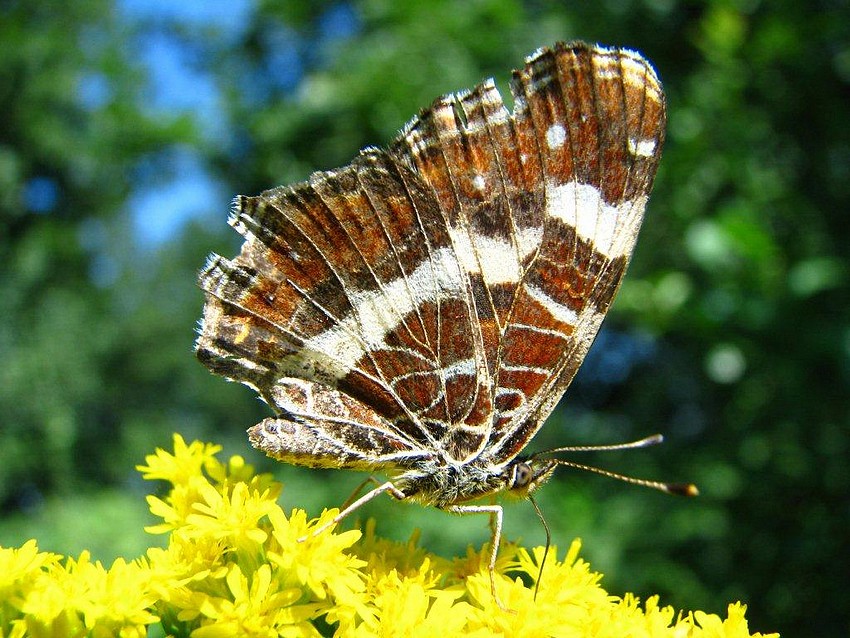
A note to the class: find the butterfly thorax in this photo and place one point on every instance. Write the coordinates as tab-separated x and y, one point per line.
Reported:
446	485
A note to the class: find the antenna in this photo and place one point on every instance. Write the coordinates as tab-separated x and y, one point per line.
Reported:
680	489
655	439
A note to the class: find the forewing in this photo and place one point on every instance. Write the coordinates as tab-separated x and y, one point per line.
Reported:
543	205
598	116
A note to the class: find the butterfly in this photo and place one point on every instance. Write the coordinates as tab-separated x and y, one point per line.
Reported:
420	311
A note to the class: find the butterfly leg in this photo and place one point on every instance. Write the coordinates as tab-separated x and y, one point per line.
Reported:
496	515
368	496
493	521
358	489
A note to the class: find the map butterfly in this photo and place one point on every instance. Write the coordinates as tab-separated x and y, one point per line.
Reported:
421	311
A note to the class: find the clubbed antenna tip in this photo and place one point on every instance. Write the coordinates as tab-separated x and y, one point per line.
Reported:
681	489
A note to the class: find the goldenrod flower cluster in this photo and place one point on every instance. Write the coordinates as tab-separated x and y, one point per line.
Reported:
234	566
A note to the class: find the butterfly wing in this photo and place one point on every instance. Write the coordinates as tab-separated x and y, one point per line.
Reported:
439	296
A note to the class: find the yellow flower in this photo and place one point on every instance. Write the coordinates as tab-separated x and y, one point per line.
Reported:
627	615
176	508
237	471
55	597
186	462
237	565
119	599
187	559
19	566
231	514
82	597
383	555
518	613
569	595
316	561
735	625
412	607
256	607
230	505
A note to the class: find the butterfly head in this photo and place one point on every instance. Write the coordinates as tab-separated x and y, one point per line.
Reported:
524	475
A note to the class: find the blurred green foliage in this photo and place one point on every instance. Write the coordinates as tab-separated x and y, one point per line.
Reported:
736	303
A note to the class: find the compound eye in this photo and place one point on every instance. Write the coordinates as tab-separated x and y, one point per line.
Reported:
522	475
